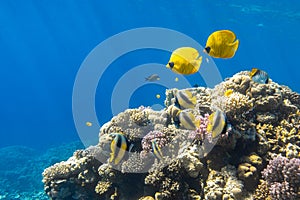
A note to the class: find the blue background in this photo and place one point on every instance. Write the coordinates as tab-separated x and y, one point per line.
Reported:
43	43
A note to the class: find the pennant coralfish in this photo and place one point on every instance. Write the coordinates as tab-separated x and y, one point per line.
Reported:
119	146
156	150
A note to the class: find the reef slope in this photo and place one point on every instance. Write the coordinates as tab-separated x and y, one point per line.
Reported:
239	164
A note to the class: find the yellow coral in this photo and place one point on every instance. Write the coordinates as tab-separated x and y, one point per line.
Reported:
102	187
237	101
262	191
140	117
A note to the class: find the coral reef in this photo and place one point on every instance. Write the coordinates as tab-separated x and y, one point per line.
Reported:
223	184
263	123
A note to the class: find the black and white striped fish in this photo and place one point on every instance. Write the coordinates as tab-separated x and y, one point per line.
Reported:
185	99
119	146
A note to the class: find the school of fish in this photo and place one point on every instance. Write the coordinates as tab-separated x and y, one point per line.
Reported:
187	61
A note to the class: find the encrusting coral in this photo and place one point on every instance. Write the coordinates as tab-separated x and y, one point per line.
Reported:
168	161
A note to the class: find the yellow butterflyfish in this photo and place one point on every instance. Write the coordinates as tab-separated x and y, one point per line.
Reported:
221	44
185	60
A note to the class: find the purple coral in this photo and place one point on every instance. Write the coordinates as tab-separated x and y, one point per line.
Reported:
201	133
158	136
283	177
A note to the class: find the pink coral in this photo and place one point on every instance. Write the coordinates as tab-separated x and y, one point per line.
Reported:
158	136
283	177
201	133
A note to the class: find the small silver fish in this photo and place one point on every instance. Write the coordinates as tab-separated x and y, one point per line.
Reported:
152	78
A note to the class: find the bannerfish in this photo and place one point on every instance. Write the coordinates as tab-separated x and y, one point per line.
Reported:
185	99
156	150
259	76
152	78
188	120
185	60
221	44
119	146
216	123
173	112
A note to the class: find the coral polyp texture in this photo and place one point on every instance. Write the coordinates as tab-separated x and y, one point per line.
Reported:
256	156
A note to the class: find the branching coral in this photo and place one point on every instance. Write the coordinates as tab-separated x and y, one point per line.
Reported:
158	136
283	178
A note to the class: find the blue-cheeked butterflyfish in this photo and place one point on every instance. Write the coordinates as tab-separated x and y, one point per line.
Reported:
216	123
221	44
259	76
187	120
185	99
119	146
156	150
185	60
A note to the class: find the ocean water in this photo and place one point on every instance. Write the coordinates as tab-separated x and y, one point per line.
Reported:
44	43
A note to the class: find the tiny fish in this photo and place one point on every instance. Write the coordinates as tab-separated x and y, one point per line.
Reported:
176	79
228	92
158	96
88	124
152	78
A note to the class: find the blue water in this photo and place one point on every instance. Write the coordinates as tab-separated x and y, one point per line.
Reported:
43	43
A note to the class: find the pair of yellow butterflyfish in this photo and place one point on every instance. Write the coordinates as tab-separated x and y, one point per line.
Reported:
187	60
